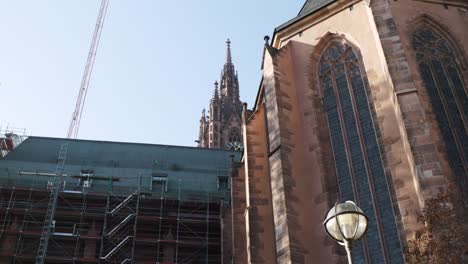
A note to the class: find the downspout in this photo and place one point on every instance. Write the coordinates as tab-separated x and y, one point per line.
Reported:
247	189
233	239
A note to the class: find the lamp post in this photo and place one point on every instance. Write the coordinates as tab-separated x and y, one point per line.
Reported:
346	222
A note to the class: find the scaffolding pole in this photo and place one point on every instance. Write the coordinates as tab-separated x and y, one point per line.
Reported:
221	205
135	221
104	227
178	225
20	236
7	213
78	234
161	200
207	235
49	218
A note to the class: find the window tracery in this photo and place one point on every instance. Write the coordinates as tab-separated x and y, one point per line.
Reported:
356	153
234	140
440	73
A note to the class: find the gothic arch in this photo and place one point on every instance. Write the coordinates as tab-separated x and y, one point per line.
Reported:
359	167
441	62
324	43
439	28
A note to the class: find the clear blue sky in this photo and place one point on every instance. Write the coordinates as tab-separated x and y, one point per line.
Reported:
154	69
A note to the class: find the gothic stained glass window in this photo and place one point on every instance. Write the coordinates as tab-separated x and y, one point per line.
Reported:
441	76
356	153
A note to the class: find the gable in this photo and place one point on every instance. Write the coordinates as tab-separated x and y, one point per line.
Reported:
310	6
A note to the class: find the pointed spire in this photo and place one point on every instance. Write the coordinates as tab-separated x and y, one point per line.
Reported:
216	93
228	52
215	97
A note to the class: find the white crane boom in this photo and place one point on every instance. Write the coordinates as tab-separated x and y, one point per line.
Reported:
76	117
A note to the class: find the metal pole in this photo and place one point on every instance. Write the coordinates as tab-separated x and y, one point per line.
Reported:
347	245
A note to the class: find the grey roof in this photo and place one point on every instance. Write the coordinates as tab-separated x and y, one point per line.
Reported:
190	173
117	154
310	7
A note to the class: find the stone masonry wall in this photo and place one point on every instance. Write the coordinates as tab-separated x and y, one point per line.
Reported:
236	213
425	136
334	21
283	250
419	130
299	191
261	230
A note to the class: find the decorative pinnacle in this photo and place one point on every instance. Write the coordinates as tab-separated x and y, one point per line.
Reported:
266	39
216	94
228	52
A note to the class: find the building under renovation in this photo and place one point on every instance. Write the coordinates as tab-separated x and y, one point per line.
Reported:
80	201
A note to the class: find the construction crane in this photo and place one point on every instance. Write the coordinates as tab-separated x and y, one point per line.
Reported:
56	184
80	101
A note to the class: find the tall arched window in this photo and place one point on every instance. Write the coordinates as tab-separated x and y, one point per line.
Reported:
356	153
441	76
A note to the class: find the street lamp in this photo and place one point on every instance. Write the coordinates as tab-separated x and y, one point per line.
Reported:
346	222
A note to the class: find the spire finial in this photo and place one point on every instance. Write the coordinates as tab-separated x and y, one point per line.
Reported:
203	116
228	52
215	94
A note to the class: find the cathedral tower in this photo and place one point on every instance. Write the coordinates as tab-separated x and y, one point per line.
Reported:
222	127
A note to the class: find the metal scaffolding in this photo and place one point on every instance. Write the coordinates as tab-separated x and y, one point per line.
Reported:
87	209
10	138
114	227
51	207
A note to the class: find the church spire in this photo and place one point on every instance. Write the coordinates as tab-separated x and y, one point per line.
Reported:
225	108
228	52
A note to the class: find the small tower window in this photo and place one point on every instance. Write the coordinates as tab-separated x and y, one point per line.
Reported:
234	136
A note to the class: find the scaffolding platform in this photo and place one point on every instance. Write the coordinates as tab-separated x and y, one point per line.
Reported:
147	229
112	203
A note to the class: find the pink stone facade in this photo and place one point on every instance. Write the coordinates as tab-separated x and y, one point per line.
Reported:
288	169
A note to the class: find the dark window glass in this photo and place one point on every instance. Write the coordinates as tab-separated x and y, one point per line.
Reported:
358	163
223	183
159	182
234	136
441	76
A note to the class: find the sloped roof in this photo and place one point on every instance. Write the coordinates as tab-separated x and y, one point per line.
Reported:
121	168
309	7
118	154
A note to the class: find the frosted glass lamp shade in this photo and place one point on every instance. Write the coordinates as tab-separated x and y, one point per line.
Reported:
345	221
